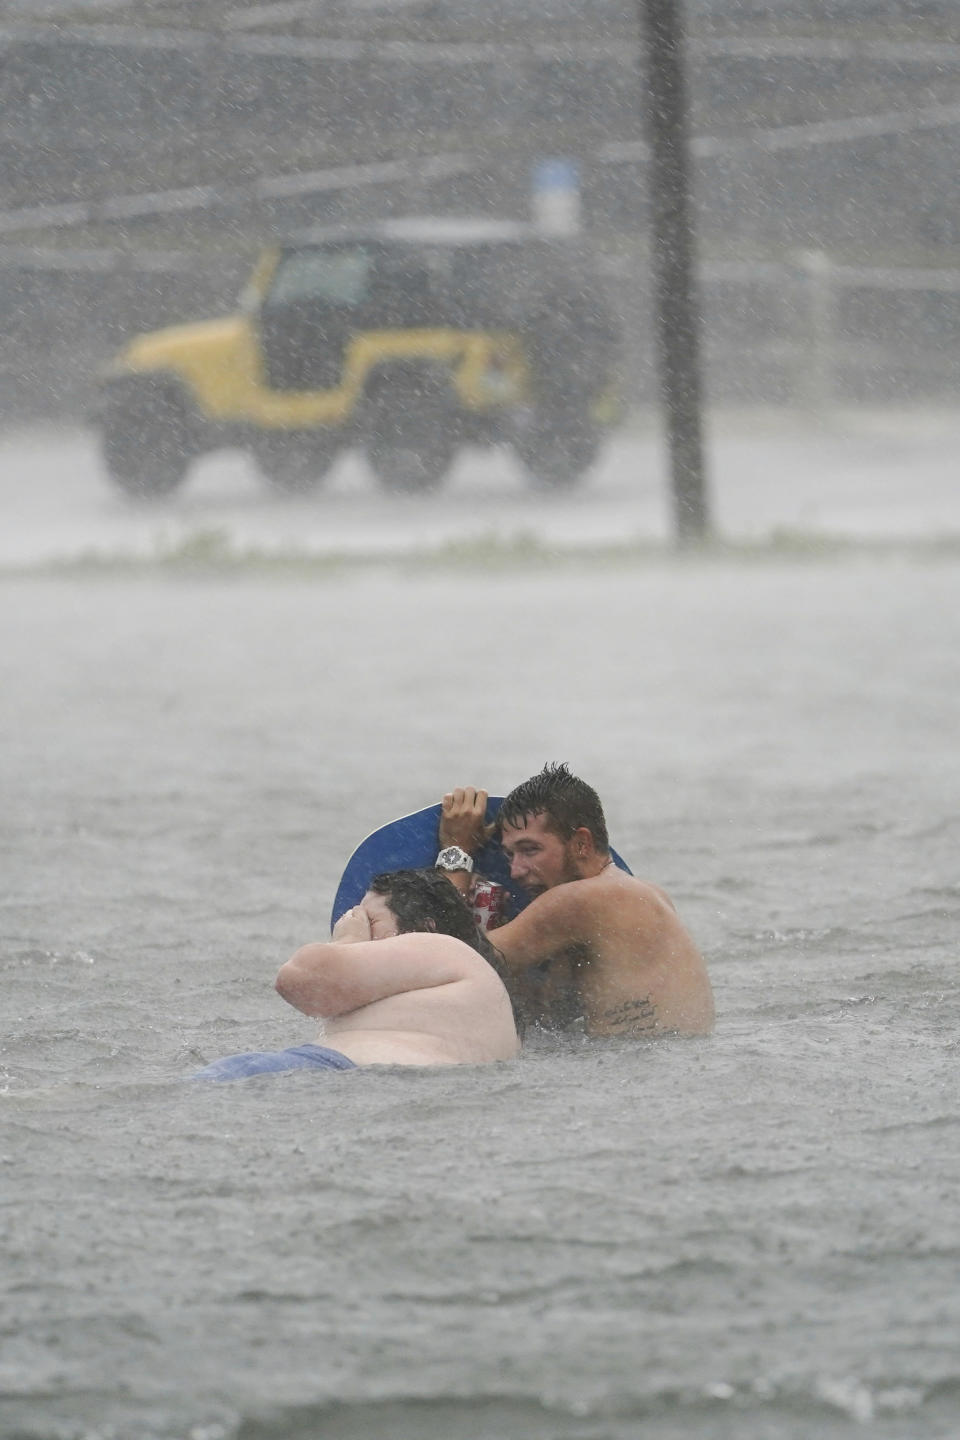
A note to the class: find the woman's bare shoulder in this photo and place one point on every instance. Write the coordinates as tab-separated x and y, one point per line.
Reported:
447	947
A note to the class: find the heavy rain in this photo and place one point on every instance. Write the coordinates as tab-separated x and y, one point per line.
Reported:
350	424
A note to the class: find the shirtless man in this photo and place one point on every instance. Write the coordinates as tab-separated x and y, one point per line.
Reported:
594	941
403	980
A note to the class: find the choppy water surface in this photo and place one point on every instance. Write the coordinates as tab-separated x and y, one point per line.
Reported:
751	1236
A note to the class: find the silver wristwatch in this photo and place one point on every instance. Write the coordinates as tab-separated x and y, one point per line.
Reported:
453	858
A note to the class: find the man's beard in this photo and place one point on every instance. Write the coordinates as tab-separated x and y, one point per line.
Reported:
570	871
537	887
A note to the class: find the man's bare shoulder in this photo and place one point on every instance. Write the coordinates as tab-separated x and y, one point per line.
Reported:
640	892
611	887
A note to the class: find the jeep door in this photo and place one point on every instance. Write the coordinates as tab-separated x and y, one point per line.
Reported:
307	317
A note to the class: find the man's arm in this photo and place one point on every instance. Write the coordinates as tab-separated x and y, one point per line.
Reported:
550	925
463	822
345	974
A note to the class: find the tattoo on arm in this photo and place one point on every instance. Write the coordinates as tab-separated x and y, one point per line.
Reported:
632	1015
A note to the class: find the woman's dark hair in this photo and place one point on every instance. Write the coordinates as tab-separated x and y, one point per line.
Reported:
566	802
425	900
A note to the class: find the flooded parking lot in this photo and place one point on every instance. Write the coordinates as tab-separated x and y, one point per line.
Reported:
860	474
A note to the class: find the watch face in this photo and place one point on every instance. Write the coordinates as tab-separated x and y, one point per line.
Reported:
453	858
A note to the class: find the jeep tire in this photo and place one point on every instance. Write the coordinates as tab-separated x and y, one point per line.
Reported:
295	464
148	439
557	450
411	434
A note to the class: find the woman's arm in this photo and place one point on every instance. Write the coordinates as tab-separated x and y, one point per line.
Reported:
333	978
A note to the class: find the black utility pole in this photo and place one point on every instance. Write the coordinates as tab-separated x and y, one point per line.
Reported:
678	318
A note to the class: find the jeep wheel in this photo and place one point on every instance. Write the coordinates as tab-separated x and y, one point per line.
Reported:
147	441
416	468
411	436
556	454
295	464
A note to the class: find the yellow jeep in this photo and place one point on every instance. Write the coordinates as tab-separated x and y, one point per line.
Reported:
408	339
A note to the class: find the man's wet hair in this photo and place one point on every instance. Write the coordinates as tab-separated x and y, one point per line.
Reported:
424	900
566	802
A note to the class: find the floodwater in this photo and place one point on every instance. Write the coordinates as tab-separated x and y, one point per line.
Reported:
753	1236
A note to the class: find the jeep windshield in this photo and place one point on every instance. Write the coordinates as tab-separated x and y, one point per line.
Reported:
339	277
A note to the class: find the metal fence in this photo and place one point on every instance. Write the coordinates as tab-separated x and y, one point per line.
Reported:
807	332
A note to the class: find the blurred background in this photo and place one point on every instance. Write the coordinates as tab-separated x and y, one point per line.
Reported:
152	146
